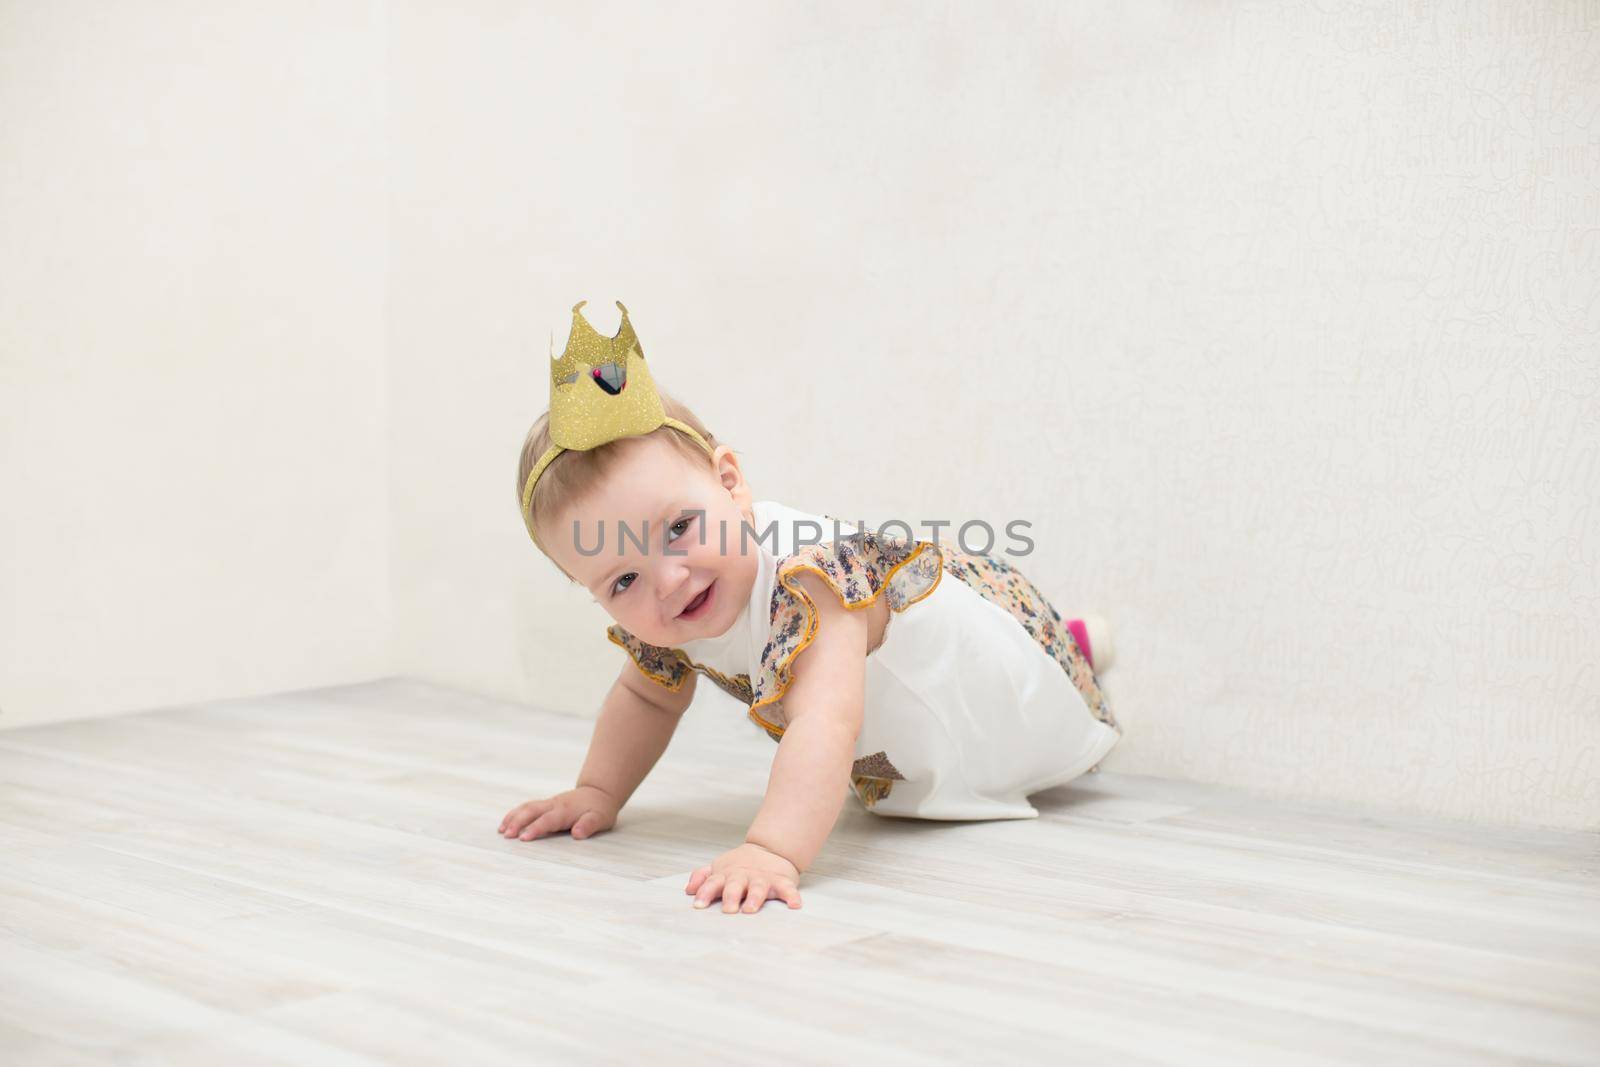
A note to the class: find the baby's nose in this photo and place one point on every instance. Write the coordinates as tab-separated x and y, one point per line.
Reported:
673	587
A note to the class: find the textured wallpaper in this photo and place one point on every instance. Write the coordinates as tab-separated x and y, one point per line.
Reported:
1280	321
1337	391
192	354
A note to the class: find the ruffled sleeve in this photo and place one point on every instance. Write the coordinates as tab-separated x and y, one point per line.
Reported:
666	667
859	569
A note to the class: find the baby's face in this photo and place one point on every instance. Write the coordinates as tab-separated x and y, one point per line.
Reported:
648	590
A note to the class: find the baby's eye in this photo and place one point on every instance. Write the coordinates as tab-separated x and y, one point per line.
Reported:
684	522
614	587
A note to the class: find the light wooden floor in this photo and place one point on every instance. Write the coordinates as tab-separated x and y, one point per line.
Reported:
316	878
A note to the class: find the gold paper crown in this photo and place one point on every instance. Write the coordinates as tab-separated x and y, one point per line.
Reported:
600	390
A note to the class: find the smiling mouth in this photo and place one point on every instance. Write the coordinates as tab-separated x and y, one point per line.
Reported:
697	603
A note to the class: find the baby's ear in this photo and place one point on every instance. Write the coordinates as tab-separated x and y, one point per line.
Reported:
725	465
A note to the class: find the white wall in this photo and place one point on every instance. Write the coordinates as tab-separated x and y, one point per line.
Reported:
1279	321
192	404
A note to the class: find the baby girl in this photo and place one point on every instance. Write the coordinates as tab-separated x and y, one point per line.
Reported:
934	683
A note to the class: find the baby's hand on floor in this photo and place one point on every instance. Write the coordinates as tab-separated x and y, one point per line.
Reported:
586	810
750	872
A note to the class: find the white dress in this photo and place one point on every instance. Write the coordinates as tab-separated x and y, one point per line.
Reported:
976	697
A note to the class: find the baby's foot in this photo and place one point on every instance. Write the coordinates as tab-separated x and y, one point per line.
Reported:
1093	634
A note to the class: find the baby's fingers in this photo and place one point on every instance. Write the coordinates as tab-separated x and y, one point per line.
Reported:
787	893
757	895
696	877
522	815
588	824
733	891
550	821
709	890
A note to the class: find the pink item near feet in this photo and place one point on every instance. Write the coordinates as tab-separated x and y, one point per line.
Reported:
1093	635
1080	634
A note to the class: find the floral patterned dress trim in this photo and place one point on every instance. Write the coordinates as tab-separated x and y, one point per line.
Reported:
735	685
859	569
668	667
873	776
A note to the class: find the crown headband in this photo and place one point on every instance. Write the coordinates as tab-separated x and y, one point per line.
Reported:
600	390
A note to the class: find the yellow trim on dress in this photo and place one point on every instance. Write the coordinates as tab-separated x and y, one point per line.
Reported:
812	619
727	682
665	684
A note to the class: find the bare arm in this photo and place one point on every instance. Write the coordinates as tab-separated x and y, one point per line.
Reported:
637	720
824	705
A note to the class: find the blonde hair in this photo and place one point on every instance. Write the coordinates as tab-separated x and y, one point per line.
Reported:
573	473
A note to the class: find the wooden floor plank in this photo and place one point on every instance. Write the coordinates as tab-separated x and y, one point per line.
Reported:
315	877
